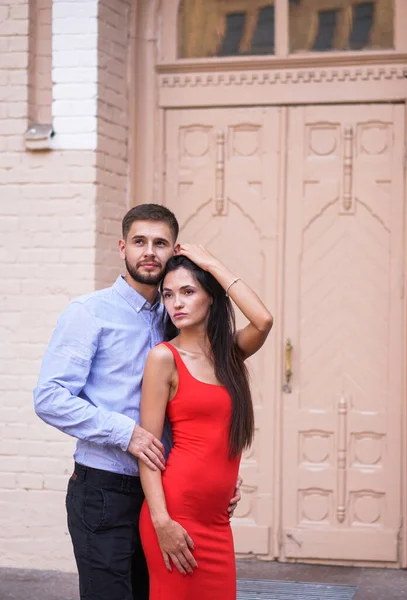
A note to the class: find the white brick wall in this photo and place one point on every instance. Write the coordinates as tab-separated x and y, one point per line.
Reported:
58	234
75	48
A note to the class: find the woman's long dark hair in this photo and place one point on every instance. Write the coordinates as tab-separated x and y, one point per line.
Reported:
229	365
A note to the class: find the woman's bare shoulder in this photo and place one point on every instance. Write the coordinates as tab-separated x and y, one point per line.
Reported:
161	355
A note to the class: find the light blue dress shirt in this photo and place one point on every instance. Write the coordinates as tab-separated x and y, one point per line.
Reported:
90	380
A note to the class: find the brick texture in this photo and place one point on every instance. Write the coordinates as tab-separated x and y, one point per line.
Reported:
59	222
39	60
112	147
74	48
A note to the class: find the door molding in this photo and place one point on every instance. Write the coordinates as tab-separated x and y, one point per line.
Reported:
378	82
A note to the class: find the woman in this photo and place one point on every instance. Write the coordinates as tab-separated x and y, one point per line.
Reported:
200	382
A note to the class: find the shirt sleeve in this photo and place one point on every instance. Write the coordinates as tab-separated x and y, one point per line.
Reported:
64	371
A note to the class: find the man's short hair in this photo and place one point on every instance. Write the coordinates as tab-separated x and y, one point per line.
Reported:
150	212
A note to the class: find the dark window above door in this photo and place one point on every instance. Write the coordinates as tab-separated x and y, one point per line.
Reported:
221	28
337	25
226	28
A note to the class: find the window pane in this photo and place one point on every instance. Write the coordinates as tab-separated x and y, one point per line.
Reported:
362	25
329	25
233	35
263	38
225	28
326	30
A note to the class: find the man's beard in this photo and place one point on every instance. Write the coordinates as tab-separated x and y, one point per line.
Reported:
147	278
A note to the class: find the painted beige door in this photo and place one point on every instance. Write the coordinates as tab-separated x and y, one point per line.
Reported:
343	314
221	180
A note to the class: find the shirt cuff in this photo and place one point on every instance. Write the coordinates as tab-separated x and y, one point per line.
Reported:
122	431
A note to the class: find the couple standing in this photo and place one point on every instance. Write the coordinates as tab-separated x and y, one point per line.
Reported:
105	356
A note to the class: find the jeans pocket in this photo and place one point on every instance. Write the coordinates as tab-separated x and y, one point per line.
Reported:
95	508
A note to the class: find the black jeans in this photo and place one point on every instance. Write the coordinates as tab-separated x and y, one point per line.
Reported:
103	520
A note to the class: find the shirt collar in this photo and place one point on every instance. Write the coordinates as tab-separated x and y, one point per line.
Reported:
136	300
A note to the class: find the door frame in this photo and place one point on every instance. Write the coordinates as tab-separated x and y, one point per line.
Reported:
403	532
158	82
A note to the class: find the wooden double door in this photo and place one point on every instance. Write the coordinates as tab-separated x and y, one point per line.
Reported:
306	204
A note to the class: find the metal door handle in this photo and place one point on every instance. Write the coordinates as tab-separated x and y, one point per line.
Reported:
288	368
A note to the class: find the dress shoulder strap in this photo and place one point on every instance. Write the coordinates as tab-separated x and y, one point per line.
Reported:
178	360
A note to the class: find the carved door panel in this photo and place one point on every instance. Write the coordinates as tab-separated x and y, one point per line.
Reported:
221	181
343	314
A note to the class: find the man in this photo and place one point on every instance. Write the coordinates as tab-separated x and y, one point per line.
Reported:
90	387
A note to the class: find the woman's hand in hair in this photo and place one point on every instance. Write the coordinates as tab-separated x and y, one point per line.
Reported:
199	255
252	337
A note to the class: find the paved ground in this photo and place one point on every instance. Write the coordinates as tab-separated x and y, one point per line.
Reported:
372	584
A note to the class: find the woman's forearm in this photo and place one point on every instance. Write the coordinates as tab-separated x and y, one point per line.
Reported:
154	493
243	296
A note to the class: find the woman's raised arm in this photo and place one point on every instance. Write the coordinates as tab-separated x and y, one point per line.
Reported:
252	337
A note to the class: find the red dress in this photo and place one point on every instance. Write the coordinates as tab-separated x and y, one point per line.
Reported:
199	481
